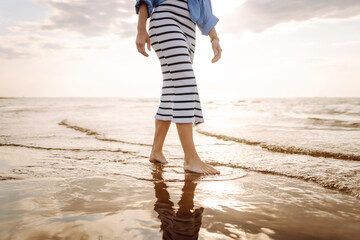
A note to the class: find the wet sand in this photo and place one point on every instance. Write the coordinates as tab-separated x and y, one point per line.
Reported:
77	168
161	206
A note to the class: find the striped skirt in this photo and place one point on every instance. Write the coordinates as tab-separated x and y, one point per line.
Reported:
172	36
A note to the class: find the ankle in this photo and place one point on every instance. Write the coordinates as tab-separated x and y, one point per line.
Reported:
190	156
156	151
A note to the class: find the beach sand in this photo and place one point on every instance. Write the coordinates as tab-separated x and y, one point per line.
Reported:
95	181
163	202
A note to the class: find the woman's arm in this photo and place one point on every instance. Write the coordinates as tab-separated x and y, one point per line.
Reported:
206	22
142	35
215	45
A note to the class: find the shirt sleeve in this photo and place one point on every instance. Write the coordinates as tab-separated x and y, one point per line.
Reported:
149	6
207	19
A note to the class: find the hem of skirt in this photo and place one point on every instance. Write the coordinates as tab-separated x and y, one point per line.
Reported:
194	120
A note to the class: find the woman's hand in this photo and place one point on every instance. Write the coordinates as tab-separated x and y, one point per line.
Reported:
215	45
217	50
142	35
142	38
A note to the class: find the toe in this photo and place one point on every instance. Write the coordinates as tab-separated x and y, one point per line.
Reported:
214	171
204	171
210	169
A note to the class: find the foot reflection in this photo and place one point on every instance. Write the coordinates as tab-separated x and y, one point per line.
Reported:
186	222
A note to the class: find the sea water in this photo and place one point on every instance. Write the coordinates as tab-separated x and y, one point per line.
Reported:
314	139
79	167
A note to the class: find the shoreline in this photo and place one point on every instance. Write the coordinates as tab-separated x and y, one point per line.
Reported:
111	205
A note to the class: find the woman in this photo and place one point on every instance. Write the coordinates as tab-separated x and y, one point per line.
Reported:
172	36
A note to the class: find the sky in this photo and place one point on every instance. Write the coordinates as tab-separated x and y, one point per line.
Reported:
271	48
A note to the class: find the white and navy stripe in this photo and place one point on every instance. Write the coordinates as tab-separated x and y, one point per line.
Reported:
172	36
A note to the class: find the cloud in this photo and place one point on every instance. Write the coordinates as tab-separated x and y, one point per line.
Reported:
259	15
109	20
347	43
50	45
27	44
12	53
91	18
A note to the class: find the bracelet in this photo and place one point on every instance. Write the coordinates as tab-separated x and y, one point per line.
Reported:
215	37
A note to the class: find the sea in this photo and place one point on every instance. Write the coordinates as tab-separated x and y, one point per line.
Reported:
310	140
313	139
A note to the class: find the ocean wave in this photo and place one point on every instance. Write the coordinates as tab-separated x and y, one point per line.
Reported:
334	122
5	178
350	110
66	149
77	128
23	110
285	149
326	183
97	135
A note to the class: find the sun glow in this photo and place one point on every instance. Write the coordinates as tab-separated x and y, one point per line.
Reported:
224	7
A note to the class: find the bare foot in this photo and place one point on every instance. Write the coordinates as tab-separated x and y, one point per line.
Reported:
157	157
195	164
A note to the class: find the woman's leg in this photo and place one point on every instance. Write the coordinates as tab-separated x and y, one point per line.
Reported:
161	129
192	161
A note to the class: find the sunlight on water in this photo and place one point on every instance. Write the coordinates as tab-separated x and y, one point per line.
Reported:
78	168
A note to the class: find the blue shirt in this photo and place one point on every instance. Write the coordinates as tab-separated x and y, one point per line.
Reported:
200	13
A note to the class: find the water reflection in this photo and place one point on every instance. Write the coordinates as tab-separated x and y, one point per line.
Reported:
186	222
